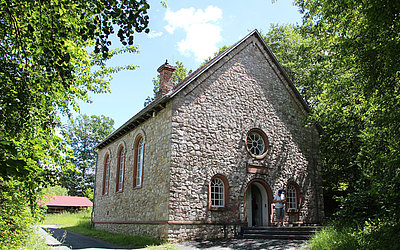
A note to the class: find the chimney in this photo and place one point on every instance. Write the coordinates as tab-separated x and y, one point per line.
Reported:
166	72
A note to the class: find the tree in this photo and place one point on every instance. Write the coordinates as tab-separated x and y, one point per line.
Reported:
180	73
222	49
45	66
54	191
83	134
311	67
52	54
360	109
302	57
341	60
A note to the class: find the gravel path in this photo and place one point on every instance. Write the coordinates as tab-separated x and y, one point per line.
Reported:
72	240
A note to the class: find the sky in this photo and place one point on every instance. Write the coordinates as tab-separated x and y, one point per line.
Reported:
188	31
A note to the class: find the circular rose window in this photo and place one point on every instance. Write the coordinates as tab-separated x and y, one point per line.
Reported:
257	143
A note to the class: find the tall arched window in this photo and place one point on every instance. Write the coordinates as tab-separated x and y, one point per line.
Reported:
120	169
218	192
292	196
106	174
138	162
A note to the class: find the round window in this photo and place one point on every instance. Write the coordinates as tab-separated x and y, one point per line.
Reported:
257	143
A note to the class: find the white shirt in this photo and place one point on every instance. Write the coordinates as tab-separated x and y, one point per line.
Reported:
279	198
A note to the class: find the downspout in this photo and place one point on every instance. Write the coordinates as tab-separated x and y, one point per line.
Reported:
94	191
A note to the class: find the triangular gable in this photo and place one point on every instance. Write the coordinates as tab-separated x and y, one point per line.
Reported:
219	57
160	103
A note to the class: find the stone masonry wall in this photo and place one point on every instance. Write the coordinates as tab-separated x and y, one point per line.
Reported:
135	210
210	120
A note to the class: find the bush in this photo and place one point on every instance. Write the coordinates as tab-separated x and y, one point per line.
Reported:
17	217
335	237
379	234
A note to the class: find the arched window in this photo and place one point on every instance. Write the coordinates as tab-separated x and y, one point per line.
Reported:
106	174
292	196
120	169
257	143
138	162
218	192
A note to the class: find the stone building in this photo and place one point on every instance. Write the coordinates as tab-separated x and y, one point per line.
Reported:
207	155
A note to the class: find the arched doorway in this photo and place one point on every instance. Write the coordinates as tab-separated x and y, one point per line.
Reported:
258	198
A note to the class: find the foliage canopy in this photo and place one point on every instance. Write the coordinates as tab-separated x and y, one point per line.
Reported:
344	60
52	54
82	135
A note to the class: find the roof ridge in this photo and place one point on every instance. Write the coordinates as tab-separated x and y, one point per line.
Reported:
140	116
207	65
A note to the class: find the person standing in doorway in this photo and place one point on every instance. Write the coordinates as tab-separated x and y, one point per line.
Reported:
279	201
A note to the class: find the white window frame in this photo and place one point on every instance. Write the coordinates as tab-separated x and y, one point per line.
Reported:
291	197
217	193
121	169
139	162
107	175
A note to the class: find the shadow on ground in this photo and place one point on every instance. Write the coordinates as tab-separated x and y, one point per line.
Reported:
244	244
78	241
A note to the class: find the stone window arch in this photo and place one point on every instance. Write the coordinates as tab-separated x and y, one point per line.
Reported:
292	196
120	167
218	192
138	161
257	143
106	173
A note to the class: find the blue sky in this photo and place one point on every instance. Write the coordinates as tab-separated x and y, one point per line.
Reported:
188	31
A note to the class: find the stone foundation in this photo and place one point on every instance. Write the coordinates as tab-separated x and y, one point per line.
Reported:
157	231
173	232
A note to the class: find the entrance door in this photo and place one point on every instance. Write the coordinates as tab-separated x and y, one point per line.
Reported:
256	205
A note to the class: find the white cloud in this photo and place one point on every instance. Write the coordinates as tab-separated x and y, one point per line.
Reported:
202	30
154	34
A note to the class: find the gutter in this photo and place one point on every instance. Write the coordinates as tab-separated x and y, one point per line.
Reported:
136	120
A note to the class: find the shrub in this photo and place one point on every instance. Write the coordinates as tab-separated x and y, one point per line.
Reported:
17	216
378	234
335	237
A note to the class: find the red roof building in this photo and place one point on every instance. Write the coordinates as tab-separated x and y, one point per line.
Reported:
60	203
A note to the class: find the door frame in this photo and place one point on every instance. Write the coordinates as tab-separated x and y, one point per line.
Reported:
265	193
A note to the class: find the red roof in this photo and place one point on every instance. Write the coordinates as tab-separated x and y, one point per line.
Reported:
69	201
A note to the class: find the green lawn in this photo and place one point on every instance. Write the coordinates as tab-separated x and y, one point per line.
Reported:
80	223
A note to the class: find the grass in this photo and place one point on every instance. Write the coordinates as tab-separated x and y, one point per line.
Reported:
80	223
378	234
35	242
333	237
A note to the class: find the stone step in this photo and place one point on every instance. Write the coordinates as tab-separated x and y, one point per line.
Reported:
276	236
300	233
285	228
279	232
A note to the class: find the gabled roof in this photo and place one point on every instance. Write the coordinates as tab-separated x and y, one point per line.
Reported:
160	103
69	201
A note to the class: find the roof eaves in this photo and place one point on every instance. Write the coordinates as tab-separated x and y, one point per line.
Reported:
130	124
